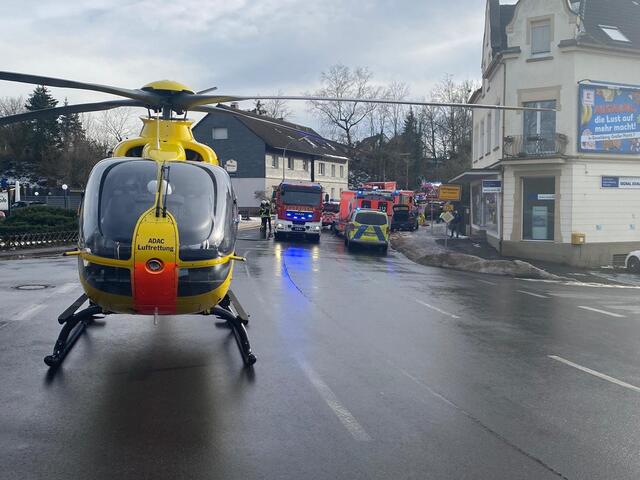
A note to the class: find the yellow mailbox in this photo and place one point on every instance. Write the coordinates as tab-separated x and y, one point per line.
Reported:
578	239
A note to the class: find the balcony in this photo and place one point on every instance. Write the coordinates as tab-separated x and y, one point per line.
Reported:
535	146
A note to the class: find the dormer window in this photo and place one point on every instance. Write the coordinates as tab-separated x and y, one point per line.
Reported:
614	33
541	37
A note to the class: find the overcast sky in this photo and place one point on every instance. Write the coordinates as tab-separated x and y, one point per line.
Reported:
243	47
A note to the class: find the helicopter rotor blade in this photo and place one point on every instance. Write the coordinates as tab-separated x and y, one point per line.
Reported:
191	100
207	90
69	109
149	98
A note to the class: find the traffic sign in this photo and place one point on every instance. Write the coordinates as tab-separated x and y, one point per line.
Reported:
448	207
4	201
449	192
447	217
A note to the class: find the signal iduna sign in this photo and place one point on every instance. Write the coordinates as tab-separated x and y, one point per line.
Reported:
449	193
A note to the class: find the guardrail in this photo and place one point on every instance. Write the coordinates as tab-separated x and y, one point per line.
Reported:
37	240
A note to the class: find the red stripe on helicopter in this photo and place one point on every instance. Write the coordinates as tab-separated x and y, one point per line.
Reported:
155	291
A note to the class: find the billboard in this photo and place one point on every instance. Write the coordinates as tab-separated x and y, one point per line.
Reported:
609	119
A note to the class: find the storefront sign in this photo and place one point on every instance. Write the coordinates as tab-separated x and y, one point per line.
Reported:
491	186
620	182
609	119
546	196
231	166
4	201
449	193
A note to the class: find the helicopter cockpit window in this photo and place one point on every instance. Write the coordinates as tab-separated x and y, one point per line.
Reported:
200	198
116	197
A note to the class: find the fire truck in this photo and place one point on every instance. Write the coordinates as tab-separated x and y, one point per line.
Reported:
298	208
364	198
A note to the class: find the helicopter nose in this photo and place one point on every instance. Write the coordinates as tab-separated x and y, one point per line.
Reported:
155	286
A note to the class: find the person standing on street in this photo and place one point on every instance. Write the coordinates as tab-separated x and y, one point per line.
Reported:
265	215
454	224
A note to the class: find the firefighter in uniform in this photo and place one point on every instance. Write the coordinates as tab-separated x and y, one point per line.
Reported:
265	215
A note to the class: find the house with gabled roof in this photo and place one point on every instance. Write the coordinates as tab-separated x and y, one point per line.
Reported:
259	152
561	183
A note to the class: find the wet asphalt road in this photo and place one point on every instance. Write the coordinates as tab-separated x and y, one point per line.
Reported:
368	367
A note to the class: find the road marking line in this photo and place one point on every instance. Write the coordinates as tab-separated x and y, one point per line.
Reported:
32	310
436	309
604	312
596	374
345	417
532	294
488	282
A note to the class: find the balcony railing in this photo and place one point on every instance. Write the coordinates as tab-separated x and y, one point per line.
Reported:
535	146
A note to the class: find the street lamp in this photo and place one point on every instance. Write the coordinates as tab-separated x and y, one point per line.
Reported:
64	188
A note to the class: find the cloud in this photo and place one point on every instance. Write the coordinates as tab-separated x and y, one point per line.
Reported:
242	46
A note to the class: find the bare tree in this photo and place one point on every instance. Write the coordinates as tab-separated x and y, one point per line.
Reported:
112	126
276	108
397	91
342	119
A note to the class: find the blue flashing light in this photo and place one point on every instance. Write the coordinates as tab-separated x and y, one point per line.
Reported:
288	214
360	192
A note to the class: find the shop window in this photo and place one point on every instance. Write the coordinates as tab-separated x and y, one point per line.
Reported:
539	128
485	208
538	208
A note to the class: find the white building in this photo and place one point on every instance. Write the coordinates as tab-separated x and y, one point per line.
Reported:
566	184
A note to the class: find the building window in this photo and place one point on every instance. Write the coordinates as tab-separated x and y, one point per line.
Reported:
489	137
333	193
614	33
290	163
273	161
341	174
541	37
220	133
476	141
481	145
497	128
333	172
305	165
538	208
485	208
320	168
539	128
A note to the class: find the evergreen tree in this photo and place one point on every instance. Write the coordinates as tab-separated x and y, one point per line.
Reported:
71	130
44	134
413	150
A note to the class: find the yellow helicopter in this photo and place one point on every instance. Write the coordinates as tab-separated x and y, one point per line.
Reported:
158	221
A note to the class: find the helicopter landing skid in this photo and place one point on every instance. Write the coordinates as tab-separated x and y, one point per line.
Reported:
232	312
74	326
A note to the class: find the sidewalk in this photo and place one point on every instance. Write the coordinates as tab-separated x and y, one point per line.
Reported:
427	246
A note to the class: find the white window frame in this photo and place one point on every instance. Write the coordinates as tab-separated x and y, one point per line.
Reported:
341	171
481	145
489	136
321	169
497	127
291	163
215	131
536	25
333	170
305	165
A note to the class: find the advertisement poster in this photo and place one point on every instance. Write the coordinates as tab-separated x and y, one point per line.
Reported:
4	201
540	223
609	119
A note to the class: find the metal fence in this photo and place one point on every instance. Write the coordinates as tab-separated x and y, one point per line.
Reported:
71	202
36	240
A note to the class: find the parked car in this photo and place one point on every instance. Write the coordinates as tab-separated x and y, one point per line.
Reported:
367	227
403	218
26	203
632	261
